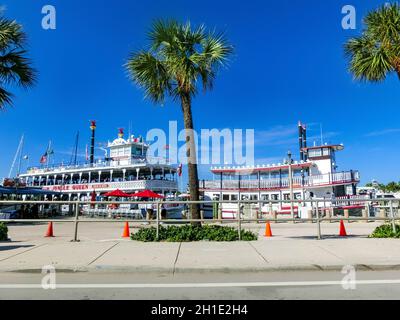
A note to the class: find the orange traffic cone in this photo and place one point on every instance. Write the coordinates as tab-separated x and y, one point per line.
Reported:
126	231
268	232
49	232
342	230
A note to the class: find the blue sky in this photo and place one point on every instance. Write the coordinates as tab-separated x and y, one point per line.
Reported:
288	66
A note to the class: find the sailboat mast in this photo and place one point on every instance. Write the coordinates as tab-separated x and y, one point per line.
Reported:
21	141
75	151
20	155
76	148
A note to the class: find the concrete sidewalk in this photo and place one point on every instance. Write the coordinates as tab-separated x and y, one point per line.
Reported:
293	247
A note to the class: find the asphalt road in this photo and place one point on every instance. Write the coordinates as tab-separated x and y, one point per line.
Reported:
212	286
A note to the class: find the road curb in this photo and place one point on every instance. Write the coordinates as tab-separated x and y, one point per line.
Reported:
179	270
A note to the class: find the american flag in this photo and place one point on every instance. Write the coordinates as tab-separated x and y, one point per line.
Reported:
43	159
180	170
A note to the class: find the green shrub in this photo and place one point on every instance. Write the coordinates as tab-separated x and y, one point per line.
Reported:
3	231
386	231
191	232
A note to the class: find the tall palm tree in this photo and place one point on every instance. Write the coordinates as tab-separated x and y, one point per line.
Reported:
179	57
376	52
15	67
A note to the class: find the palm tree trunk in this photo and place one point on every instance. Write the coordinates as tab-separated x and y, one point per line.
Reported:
191	155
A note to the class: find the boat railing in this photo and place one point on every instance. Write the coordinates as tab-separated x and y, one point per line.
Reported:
272	183
98	164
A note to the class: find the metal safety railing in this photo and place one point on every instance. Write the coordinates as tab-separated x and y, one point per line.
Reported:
318	211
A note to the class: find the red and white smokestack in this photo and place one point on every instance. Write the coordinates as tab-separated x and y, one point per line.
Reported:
93	128
301	141
304	141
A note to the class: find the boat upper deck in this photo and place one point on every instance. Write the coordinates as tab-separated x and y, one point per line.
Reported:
126	164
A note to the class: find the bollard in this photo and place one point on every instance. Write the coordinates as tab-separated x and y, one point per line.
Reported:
274	216
327	213
346	214
76	223
364	215
202	215
318	223
239	222
332	214
392	217
309	215
158	220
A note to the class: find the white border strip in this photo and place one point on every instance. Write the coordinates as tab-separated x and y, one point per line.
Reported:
198	285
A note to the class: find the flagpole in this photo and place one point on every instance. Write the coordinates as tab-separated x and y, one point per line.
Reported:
48	153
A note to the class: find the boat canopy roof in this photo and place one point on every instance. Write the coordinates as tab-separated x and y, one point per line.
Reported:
27	191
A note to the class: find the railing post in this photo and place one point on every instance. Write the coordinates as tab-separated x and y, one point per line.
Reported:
158	220
239	222
76	222
392	217
318	223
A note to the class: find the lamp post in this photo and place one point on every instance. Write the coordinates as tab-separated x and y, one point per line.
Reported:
290	183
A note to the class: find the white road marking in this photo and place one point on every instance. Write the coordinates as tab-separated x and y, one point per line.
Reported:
196	285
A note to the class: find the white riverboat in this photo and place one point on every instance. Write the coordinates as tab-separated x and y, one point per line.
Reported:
314	176
125	166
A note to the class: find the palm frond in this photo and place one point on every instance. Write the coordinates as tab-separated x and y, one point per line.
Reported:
15	67
376	52
179	57
149	73
368	61
11	34
5	98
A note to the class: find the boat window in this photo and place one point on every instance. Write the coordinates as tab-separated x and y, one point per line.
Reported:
286	196
315	153
275	196
225	197
234	197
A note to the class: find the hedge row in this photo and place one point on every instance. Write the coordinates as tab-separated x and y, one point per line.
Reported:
191	232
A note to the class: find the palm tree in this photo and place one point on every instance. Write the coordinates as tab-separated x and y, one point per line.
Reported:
15	68
178	58
376	52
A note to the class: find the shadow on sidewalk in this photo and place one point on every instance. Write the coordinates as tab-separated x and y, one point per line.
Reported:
328	236
4	248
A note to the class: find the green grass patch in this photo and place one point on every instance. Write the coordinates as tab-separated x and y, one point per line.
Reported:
3	232
189	232
385	231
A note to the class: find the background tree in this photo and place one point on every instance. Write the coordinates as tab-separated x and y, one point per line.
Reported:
376	52
178	59
15	67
